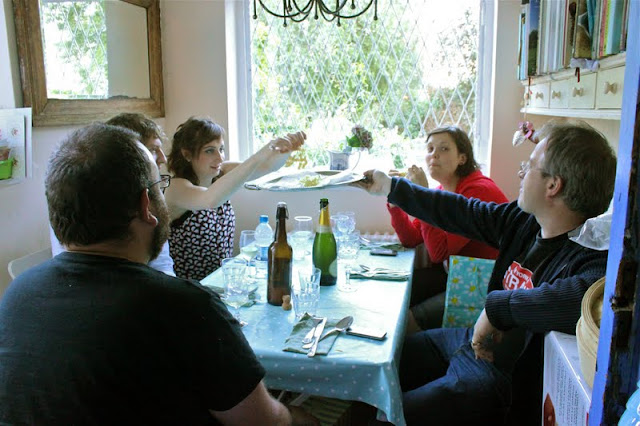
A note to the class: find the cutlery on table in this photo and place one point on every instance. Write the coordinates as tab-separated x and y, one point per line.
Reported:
308	339
316	337
341	326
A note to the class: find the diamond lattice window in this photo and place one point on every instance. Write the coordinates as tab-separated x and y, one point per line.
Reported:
75	45
411	71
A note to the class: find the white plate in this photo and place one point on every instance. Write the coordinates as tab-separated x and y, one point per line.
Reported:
304	180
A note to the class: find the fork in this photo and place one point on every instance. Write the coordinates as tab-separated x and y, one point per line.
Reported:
309	337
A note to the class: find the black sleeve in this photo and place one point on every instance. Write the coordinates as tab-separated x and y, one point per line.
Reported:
553	305
221	365
469	217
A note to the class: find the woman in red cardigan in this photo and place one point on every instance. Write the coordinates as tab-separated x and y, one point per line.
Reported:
449	161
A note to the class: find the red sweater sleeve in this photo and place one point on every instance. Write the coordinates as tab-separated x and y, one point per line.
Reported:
440	244
408	232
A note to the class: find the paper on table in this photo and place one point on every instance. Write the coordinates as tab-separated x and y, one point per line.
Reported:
301	328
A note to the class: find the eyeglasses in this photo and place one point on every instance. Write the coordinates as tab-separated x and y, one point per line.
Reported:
525	167
164	182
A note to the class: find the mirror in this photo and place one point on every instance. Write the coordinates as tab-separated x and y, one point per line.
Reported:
95	59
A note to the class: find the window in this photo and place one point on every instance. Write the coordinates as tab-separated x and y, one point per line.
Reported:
413	70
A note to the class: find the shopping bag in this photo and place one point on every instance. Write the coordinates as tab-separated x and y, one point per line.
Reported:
466	290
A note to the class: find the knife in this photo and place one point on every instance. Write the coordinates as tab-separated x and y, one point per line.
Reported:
316	337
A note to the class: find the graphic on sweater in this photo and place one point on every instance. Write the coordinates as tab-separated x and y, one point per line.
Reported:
517	277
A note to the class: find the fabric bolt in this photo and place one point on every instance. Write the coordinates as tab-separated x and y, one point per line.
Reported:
200	240
536	284
88	339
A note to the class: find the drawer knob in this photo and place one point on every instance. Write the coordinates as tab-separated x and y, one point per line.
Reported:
577	92
610	88
555	94
539	95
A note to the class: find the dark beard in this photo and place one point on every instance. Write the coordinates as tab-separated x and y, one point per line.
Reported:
161	232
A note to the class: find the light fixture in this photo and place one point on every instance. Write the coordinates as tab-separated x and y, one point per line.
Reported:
296	12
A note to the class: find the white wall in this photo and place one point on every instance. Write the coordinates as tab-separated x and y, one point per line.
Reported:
193	40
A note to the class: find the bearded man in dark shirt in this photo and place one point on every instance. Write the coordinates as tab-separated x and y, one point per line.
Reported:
95	336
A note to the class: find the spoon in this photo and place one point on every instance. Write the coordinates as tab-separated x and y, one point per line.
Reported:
341	326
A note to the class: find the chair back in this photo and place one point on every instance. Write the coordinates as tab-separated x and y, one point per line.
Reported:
21	264
466	290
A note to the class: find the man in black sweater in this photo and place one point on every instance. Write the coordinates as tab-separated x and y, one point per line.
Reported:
539	278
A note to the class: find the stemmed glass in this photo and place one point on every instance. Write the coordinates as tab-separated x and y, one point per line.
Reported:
301	236
348	223
348	248
249	249
338	222
236	288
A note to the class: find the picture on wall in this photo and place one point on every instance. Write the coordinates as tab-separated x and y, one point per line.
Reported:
15	145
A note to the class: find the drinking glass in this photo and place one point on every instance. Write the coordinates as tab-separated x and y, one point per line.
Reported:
338	222
301	236
249	250
348	248
348	224
306	293
236	288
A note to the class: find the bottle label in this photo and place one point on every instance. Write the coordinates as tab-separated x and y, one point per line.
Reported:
324	229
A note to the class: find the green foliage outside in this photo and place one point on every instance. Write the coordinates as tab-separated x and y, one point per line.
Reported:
83	45
324	79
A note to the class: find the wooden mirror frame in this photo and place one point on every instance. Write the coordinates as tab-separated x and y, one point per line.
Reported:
57	112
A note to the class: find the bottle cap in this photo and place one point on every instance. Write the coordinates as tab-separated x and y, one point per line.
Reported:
282	204
264	218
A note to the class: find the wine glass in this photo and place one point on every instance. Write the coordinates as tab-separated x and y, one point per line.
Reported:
301	236
348	248
236	288
337	223
248	247
348	224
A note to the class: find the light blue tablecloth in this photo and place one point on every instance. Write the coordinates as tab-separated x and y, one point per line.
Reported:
356	369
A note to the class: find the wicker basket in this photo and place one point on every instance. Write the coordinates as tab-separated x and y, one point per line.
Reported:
588	329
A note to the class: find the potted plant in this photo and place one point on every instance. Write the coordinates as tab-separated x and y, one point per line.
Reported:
360	139
6	162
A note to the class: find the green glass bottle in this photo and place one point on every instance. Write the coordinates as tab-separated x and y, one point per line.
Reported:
325	252
279	264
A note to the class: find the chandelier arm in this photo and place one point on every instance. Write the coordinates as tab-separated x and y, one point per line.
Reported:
285	14
355	15
293	11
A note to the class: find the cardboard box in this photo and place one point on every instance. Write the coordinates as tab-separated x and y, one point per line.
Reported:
566	396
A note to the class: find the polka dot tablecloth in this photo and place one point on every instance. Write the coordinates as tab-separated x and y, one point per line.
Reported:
356	368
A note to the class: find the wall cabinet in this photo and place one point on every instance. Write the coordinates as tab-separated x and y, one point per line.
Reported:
598	94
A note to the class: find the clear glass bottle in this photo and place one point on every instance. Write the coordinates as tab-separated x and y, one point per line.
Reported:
325	251
264	238
280	257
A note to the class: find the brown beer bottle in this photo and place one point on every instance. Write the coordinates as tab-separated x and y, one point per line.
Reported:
325	251
280	257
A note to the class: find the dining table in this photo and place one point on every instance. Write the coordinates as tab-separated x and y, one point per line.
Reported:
356	368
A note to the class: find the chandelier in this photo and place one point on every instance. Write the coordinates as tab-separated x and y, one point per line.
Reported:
298	12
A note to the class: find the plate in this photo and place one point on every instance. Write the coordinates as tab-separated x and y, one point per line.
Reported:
304	180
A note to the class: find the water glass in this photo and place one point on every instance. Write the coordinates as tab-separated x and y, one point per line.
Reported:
306	294
302	236
236	288
348	224
348	248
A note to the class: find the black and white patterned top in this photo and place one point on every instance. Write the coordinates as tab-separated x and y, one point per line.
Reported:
200	240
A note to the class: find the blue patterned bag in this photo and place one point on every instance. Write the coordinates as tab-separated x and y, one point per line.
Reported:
466	290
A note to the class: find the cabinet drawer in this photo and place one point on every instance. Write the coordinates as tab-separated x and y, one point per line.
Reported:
559	94
609	88
539	96
583	94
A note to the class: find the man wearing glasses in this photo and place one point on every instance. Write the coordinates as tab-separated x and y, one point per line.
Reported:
152	137
539	278
96	336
